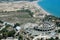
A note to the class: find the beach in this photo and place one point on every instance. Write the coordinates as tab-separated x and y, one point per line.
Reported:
39	7
52	7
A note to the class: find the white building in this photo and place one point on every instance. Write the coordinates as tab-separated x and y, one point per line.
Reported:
18	28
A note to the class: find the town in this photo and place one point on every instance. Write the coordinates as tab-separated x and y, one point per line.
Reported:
45	28
27	22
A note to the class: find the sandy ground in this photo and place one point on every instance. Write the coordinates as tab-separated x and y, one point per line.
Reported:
13	6
13	17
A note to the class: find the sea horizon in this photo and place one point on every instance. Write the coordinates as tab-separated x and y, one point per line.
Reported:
52	7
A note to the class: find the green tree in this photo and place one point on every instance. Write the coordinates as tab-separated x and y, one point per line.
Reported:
1	21
30	13
1	37
41	39
20	37
51	38
17	24
5	35
57	38
11	33
58	24
59	31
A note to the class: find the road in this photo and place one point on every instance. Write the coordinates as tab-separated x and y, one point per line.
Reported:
2	28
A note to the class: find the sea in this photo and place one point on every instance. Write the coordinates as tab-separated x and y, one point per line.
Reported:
51	6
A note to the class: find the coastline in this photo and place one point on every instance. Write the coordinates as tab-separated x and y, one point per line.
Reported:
9	6
39	7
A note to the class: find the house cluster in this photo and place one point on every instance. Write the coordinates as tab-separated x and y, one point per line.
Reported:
9	26
3	25
45	30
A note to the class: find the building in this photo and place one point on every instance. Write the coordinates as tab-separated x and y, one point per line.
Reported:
43	30
18	28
